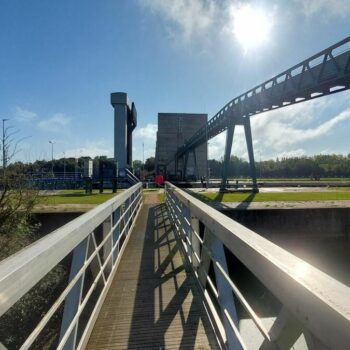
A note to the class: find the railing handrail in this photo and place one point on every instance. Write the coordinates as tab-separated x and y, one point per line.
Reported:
132	176
318	301
22	270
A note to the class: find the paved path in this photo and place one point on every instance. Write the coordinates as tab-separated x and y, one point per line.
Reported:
153	302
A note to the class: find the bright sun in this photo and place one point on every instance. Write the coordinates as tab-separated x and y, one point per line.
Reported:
251	26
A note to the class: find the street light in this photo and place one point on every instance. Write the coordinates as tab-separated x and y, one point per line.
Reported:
52	143
3	146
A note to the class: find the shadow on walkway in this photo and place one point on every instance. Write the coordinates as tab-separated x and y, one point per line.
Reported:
167	310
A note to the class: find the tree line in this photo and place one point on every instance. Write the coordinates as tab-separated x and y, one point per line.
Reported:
330	165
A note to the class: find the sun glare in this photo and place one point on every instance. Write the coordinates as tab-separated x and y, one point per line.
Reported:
251	26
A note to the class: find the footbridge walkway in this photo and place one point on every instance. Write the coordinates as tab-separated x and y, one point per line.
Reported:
143	274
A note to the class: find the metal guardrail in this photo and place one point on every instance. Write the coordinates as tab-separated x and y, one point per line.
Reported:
131	177
313	303
112	221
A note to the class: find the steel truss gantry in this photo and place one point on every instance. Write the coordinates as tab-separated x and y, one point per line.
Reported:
322	74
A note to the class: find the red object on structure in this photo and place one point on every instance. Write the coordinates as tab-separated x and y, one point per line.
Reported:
159	180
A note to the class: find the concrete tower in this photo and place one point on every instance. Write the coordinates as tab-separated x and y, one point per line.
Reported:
125	120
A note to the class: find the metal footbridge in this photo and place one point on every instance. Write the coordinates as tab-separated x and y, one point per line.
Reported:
322	74
146	274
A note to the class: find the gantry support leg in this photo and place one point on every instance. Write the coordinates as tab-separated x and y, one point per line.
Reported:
184	169
248	137
196	172
228	147
176	166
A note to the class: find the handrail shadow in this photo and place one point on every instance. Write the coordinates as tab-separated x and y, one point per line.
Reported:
173	307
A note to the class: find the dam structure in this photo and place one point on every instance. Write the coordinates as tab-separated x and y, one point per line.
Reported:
174	129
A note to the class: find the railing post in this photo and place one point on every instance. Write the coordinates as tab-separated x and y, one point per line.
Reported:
196	247
205	261
312	342
73	299
107	248
284	332
116	233
226	299
127	216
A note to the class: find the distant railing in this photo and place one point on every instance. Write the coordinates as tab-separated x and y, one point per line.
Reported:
313	304
96	241
131	177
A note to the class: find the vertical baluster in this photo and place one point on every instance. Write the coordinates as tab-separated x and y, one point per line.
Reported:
107	247
73	299
284	332
116	233
196	248
226	299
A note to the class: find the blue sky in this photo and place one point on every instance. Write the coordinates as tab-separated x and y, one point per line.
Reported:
60	60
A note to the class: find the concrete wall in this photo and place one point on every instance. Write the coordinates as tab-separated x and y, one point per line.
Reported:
319	236
173	130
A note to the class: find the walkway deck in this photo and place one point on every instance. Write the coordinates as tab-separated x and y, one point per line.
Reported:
153	302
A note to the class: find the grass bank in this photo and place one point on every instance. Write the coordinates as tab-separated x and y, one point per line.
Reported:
274	197
75	197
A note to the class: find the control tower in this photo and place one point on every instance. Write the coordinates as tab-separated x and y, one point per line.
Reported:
125	120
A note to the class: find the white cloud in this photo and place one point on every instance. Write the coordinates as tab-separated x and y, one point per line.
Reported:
292	153
148	132
285	132
91	149
23	114
145	141
188	18
216	146
278	133
339	8
55	123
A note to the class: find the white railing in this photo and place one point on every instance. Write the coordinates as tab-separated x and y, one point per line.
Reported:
133	178
313	304
97	240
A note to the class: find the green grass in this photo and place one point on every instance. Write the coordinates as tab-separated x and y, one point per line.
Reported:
75	197
161	197
273	197
295	179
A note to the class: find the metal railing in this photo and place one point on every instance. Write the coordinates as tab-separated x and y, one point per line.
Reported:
312	303
96	240
131	177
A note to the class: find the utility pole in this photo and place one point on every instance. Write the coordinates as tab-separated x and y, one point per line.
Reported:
4	147
52	143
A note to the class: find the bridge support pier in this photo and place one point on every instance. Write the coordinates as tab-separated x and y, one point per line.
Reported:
185	161
228	147
248	137
196	172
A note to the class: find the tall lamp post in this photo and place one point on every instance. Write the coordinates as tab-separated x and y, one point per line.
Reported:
3	146
52	143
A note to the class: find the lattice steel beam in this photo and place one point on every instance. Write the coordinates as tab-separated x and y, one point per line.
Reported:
322	74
